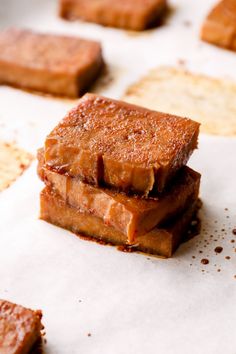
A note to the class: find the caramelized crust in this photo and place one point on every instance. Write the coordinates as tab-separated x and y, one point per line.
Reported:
220	26
119	144
161	241
131	215
130	14
20	328
48	63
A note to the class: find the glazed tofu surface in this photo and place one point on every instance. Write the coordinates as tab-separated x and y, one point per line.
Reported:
103	141
48	63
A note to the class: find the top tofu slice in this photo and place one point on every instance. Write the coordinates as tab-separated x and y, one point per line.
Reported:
220	26
20	328
130	14
104	141
48	63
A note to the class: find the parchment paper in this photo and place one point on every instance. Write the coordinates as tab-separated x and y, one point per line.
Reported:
94	298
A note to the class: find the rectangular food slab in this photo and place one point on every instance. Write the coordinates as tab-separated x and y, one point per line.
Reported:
104	141
219	27
131	215
20	328
161	241
48	63
130	14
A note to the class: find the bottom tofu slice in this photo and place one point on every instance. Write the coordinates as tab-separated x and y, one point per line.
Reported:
161	241
20	328
131	215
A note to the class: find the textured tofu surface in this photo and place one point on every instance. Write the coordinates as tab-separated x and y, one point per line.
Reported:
19	328
131	215
161	241
219	27
119	144
129	14
48	63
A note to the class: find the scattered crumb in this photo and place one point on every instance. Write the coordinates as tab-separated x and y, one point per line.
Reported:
204	261
218	249
181	62
227	257
89	334
187	23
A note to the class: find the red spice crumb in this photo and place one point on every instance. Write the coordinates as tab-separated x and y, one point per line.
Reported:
232	241
227	257
204	261
89	334
218	270
200	251
193	257
234	231
22	166
218	249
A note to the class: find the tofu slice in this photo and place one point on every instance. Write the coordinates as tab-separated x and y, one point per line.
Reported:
131	215
103	141
20	328
161	241
219	27
48	63
129	14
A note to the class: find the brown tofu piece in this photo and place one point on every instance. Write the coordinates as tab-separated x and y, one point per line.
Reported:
219	27
129	14
161	241
131	215
20	328
104	141
48	63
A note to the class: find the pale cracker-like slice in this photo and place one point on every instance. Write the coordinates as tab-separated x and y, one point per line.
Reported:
13	162
212	102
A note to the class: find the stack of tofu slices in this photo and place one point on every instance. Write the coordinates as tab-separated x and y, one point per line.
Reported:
117	173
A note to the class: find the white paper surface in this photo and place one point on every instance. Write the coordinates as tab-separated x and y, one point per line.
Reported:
130	303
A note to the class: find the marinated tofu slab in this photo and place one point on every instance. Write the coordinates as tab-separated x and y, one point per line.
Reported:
103	141
161	241
131	215
220	25
20	328
129	14
48	63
